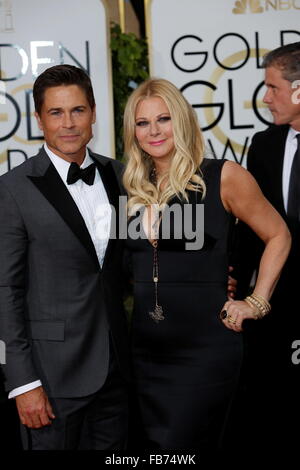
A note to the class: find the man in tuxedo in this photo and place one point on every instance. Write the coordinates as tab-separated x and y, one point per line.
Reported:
61	309
271	376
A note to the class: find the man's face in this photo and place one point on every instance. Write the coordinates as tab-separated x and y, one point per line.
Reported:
66	120
278	97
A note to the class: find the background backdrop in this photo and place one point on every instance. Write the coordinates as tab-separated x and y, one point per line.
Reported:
35	34
212	50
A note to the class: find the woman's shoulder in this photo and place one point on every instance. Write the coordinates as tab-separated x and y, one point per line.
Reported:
235	180
208	163
214	164
227	172
233	169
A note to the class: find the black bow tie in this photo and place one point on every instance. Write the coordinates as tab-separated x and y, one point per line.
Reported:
76	173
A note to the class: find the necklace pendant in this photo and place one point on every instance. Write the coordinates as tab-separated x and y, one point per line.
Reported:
157	315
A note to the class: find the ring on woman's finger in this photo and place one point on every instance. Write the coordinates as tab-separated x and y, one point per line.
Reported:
231	321
223	314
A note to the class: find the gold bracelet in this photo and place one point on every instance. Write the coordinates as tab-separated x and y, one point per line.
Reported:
262	300
263	309
262	305
256	312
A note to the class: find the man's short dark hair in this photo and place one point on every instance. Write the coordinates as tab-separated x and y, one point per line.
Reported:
58	75
287	59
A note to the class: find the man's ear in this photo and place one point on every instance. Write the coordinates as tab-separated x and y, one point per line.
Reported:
38	121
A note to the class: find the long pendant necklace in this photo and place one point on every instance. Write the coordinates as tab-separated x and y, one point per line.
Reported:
157	313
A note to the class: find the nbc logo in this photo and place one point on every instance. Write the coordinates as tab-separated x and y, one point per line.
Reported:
241	6
260	6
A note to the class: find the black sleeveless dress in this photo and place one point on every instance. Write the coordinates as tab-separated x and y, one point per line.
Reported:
186	366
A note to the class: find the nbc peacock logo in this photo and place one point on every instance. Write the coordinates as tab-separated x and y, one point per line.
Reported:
245	6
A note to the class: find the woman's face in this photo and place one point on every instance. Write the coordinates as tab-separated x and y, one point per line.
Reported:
154	130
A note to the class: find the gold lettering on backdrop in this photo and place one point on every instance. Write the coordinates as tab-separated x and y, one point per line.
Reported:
14	100
3	156
271	4
259	6
284	5
28	115
208	97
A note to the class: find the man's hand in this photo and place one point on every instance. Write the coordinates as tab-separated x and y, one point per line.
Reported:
34	408
231	285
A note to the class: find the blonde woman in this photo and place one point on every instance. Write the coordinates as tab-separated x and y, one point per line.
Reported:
186	334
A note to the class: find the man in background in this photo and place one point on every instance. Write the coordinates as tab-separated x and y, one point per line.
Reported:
270	389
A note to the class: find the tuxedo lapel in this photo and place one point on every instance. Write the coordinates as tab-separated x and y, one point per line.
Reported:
54	190
109	181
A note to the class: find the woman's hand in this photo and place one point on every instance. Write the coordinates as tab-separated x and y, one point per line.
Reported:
234	312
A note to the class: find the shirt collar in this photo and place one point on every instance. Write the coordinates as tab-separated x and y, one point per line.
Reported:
62	166
292	133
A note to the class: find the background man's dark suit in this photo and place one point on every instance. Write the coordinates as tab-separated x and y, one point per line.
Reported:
59	311
270	395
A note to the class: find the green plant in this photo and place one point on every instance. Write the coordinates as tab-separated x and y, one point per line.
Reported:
129	68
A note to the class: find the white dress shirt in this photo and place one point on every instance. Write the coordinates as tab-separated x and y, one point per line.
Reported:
93	204
289	152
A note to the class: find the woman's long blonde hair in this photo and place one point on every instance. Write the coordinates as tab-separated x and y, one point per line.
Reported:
184	171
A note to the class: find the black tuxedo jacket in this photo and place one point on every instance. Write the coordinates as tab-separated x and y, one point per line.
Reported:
58	307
